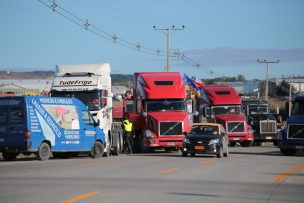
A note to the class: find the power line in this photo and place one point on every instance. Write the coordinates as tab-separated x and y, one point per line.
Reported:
87	25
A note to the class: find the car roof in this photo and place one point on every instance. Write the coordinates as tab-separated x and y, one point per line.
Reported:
207	124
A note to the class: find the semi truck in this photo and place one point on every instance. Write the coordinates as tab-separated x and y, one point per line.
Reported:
262	122
91	83
221	104
47	126
158	110
291	137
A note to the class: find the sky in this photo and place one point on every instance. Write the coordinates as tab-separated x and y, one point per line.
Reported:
221	38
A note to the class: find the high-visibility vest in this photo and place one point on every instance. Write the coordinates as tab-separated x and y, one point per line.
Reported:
127	126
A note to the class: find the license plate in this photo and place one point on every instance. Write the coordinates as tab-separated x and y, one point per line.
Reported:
268	138
170	143
236	138
199	147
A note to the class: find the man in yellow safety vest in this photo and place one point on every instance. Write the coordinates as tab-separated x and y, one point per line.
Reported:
128	136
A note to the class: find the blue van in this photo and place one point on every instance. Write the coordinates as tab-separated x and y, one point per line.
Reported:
47	126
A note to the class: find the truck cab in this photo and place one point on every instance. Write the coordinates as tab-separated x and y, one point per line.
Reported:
158	110
262	122
291	137
221	104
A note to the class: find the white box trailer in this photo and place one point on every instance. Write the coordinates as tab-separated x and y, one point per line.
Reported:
91	83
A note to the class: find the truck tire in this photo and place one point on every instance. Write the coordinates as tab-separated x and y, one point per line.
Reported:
232	144
288	152
116	144
44	152
247	143
9	156
98	150
184	154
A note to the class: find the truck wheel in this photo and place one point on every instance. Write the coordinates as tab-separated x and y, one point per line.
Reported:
116	147
97	150
44	152
288	152
8	156
275	143
184	154
232	144
226	154
246	143
219	153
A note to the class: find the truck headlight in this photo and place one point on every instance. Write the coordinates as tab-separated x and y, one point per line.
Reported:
149	133
214	141
186	140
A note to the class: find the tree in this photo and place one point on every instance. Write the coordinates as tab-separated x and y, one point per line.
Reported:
283	89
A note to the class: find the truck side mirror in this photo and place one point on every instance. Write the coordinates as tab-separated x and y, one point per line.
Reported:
97	123
145	114
195	113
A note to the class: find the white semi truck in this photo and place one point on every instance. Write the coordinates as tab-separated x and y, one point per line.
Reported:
91	83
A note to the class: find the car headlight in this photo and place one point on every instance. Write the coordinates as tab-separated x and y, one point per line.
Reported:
186	140
214	141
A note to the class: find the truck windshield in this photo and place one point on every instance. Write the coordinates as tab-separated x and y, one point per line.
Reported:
165	105
258	110
90	99
216	110
297	108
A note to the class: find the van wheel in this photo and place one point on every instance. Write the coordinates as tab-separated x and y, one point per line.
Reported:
97	150
44	152
8	156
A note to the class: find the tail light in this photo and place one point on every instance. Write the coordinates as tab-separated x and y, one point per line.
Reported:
27	134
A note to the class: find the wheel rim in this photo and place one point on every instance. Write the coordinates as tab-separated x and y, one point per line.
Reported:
44	152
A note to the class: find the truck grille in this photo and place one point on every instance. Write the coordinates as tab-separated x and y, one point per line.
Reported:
235	127
268	126
171	128
296	131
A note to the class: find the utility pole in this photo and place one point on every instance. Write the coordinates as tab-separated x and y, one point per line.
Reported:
267	72
169	29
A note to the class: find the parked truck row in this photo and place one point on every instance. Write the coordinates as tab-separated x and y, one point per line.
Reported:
78	117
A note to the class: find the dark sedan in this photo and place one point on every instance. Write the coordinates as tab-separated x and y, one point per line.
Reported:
206	138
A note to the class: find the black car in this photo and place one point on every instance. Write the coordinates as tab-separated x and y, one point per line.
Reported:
206	138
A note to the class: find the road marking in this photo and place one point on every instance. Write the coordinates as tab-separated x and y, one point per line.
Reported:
80	197
88	165
288	172
208	162
168	170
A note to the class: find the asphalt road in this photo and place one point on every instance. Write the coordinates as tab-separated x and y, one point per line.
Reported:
255	174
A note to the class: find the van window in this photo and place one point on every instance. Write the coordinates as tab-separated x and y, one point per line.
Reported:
87	118
3	116
16	116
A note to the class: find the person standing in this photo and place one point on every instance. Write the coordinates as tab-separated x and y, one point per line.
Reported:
128	136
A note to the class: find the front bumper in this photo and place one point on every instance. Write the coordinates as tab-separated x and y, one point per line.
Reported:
163	142
266	137
200	149
291	144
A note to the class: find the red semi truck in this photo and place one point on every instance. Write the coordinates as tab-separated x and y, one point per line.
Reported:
158	110
221	104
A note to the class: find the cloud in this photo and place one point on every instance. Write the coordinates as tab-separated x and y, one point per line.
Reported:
225	56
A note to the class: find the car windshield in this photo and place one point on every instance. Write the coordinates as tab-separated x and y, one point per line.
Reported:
258	109
216	110
204	130
165	105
